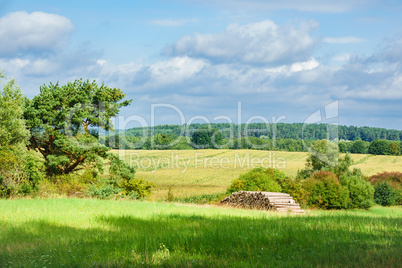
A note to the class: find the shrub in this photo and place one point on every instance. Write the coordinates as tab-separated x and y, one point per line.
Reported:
170	195
295	189
359	147
304	174
124	175
325	191
10	171
258	179
361	192
104	191
384	194
20	170
136	188
379	147
270	180
69	185
394	149
394	179
342	147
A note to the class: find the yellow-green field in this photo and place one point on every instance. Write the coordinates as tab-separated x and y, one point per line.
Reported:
192	172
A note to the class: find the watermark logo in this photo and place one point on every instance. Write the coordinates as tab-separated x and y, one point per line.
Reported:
326	151
236	135
201	160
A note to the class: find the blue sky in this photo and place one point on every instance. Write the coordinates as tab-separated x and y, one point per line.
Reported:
201	60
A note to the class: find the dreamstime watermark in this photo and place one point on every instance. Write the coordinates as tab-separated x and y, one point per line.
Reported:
241	136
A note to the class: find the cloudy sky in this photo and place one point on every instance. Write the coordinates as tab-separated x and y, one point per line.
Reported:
188	60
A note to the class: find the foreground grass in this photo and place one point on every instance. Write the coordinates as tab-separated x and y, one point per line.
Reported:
96	233
196	172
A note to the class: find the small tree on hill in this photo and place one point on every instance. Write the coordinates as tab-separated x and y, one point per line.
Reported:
325	156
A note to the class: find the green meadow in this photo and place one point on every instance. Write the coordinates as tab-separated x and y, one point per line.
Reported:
119	233
106	233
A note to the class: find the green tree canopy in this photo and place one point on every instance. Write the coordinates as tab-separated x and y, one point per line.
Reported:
206	138
325	156
60	119
19	168
379	147
12	124
359	147
394	149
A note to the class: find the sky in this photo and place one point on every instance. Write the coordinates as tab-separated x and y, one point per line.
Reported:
216	61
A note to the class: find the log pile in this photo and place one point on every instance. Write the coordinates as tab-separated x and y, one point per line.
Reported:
263	201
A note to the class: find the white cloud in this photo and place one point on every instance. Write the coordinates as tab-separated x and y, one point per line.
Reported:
389	89
176	69
25	66
255	43
289	84
302	66
38	31
162	73
342	40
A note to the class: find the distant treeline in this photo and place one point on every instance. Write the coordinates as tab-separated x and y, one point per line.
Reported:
280	130
282	137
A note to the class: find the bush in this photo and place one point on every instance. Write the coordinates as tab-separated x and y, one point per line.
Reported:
325	191
136	188
394	179
10	171
394	149
304	174
361	192
384	194
359	147
69	185
270	180
20	171
258	179
124	175
379	147
104	191
295	189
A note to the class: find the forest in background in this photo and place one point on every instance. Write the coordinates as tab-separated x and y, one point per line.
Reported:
292	137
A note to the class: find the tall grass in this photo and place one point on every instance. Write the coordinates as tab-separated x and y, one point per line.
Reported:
99	233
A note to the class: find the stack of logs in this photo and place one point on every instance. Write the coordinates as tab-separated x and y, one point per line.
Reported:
263	201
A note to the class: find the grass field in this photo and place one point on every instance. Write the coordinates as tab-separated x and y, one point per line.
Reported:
100	233
195	172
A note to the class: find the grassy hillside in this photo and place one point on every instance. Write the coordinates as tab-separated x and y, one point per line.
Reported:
99	233
192	172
